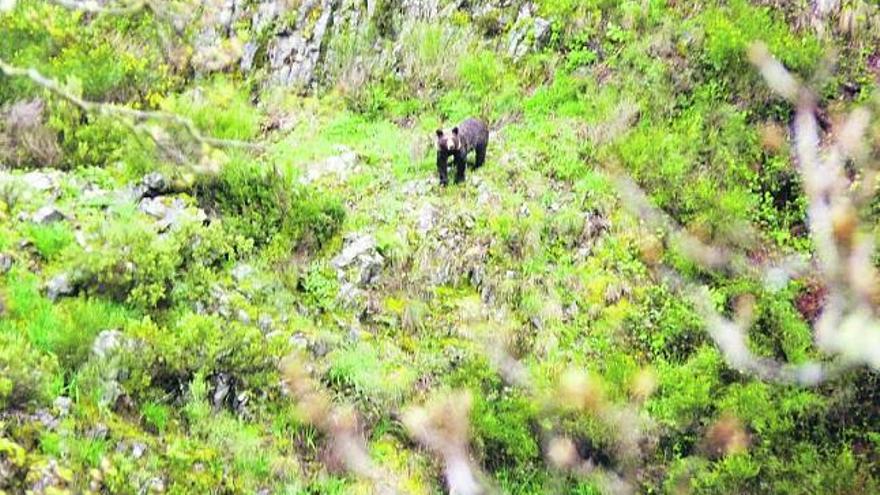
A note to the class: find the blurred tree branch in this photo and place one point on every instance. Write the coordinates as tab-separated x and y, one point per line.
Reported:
848	326
94	7
131	118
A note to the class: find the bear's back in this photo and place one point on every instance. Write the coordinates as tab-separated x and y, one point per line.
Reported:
474	132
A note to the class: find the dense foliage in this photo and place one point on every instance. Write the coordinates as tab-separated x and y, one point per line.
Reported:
141	328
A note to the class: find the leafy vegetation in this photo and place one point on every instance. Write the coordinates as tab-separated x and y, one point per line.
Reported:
143	333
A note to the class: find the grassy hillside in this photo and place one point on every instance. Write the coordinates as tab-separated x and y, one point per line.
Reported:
312	313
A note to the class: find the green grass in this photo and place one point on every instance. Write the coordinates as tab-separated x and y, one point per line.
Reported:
660	90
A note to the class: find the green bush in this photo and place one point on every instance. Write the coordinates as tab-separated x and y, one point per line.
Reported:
27	376
167	358
50	240
147	270
730	29
263	206
67	329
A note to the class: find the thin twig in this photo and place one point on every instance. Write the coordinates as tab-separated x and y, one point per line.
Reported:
114	110
848	326
94	7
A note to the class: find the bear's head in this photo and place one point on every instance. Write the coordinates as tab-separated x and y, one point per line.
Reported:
448	141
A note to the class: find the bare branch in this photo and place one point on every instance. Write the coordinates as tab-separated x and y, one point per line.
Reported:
848	326
339	424
94	7
129	117
442	426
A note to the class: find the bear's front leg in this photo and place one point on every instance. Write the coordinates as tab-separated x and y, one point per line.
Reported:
460	165
442	159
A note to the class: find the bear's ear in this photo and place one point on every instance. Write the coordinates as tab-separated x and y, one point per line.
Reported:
439	132
455	131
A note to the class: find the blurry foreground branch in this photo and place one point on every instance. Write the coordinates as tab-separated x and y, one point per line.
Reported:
848	326
93	7
339	424
129	117
575	392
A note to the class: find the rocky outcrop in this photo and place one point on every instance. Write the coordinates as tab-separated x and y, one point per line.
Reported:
46	215
339	166
529	33
293	45
294	57
358	267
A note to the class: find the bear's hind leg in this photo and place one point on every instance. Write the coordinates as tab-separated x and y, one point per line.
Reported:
481	156
460	165
441	169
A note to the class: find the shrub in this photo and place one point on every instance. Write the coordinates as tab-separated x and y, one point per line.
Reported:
730	29
263	206
66	329
26	375
50	240
167	358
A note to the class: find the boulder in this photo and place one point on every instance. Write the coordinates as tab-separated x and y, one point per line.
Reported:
357	246
153	207
59	286
341	166
46	215
5	263
294	57
39	181
170	213
106	342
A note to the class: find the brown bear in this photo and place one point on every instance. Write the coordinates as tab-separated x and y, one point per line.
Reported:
470	135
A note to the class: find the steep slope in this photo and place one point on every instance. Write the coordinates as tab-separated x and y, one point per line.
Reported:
318	315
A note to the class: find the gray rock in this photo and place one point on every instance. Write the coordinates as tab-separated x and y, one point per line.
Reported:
47	215
222	387
241	402
5	263
350	295
541	31
265	323
370	268
155	183
319	348
169	214
299	341
293	58
247	57
341	166
266	13
46	418
58	286
154	207
357	246
106	342
422	10
241	272
138	449
354	332
39	181
517	44
62	404
155	485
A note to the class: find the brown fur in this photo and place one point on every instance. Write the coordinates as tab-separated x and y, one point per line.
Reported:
470	135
